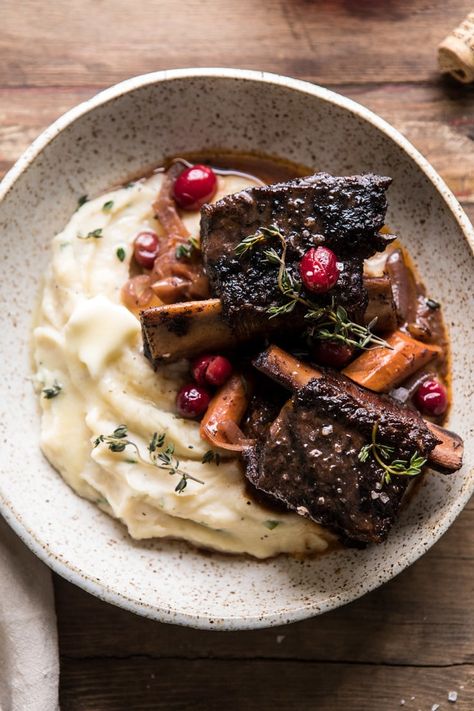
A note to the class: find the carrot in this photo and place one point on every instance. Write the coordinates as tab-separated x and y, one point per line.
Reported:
224	414
285	368
381	369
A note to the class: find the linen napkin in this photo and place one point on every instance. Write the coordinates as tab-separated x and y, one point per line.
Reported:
29	667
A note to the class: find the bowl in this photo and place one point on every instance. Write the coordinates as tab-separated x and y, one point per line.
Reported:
102	141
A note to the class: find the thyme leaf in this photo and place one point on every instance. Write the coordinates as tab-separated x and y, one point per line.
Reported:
53	391
382	453
107	206
160	458
271	524
93	233
121	254
261	235
211	456
432	304
185	250
81	201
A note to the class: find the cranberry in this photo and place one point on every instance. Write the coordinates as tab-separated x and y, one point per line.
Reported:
431	398
192	400
145	248
318	269
334	354
211	370
195	186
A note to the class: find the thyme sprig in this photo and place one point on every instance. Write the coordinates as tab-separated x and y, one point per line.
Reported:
159	456
382	453
337	326
331	322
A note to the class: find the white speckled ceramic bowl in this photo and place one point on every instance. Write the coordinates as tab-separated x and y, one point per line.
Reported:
122	130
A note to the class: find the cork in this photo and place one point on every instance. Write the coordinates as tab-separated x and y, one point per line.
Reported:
456	52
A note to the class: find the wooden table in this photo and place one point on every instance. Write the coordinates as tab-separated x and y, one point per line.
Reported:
410	643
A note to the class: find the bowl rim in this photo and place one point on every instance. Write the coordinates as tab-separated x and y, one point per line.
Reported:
101	590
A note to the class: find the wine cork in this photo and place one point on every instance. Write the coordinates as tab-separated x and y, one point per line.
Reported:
456	52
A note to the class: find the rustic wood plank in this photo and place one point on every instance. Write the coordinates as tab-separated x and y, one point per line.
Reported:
438	119
423	616
329	41
258	685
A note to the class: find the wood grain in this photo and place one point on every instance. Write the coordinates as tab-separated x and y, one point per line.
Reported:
429	601
412	639
329	41
260	685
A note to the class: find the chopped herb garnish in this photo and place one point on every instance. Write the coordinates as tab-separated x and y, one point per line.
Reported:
53	391
432	304
107	206
94	233
271	524
81	201
130	184
382	453
120	253
159	457
211	456
331	322
185	250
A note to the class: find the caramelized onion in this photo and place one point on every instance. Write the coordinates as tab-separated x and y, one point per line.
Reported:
403	286
137	294
220	424
234	434
175	279
165	206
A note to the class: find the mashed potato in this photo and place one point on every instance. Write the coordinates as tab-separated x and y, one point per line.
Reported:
87	343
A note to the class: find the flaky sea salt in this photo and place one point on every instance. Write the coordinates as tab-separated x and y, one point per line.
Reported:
435	707
453	696
280	638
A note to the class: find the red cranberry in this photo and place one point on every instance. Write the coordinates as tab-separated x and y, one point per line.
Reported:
195	186
192	400
211	370
431	398
334	354
199	367
318	269
145	249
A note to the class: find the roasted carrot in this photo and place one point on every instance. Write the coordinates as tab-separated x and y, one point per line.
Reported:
227	406
381	369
